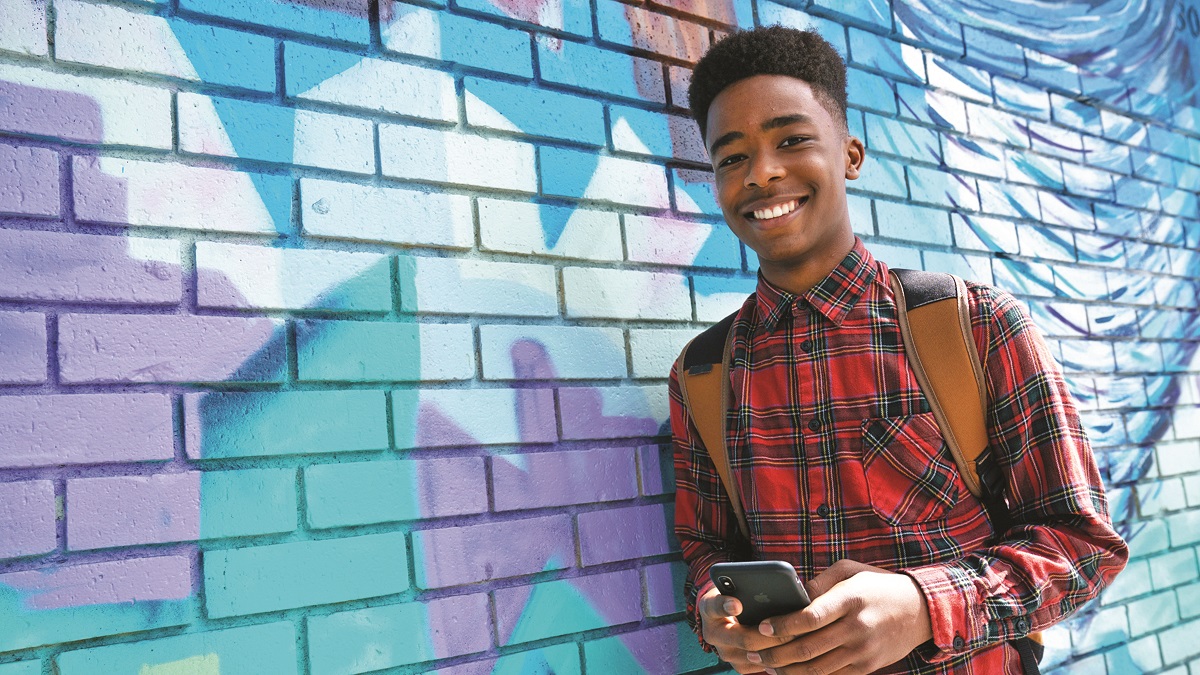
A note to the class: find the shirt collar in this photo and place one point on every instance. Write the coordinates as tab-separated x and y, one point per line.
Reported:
833	297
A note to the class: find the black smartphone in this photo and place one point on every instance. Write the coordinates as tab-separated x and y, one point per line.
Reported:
766	588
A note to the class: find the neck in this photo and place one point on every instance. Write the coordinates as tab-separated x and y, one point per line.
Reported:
798	276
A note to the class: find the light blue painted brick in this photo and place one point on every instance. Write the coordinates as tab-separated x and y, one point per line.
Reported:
377	351
881	53
1133	581
897	256
971	267
581	175
1045	69
931	107
247	502
994	51
1150	614
1139	656
362	493
1184	528
912	223
259	424
1189	600
1006	199
884	176
963	154
298	574
866	90
574	352
950	189
1022	98
344	23
1169	142
959	79
862	220
384	637
996	125
342	78
1151	536
266	648
718	296
653	133
1179	643
539	229
1098	87
22	668
877	13
1162	495
1107	627
534	111
463	286
771	13
694	192
896	137
1074	113
625	294
572	16
450	156
560	659
459	39
677	242
595	69
1035	170
1046	243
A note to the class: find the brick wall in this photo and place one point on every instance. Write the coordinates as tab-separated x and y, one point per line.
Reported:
333	335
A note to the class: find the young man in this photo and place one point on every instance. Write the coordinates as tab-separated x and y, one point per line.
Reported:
841	467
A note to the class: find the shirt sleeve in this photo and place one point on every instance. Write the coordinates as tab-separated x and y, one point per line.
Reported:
705	524
1060	548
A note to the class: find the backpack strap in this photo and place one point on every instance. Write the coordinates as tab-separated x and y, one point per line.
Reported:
935	324
702	370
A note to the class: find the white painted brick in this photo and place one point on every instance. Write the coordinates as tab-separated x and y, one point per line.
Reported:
972	267
370	84
453	417
654	350
236	276
1150	614
85	109
1191	485
1179	643
582	175
1173	569
29	181
678	242
613	412
440	156
1163	495
114	37
1184	528
1176	457
716	297
451	286
1133	581
557	352
536	229
1107	627
318	139
160	194
626	294
23	30
1189	600
1148	539
1139	656
361	213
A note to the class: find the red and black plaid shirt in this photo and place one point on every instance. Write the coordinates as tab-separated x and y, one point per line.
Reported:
837	456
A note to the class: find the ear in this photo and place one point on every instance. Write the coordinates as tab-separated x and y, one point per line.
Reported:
856	154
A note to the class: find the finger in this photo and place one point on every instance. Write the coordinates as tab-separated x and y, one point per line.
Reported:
823	611
838	661
719	606
729	633
834	575
805	648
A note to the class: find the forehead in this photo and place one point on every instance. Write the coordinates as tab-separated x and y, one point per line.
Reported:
757	99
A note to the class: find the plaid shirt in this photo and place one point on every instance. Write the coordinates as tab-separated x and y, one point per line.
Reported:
837	455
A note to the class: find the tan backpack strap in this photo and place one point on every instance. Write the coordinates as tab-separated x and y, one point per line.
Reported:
942	353
705	391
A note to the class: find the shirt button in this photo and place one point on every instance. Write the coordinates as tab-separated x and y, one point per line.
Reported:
823	511
814	424
806	345
959	643
1022	625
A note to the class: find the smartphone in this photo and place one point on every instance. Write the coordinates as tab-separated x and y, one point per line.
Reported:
766	588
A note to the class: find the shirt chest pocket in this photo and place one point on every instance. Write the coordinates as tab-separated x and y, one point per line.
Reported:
911	475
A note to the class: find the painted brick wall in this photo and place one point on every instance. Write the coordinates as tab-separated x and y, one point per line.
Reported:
333	335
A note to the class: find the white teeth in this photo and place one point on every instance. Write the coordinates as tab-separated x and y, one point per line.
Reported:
776	211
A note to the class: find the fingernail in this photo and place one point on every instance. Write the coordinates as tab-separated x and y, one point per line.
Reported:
729	607
753	657
766	629
771	671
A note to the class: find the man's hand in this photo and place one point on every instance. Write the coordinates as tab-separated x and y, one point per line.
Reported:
732	639
862	618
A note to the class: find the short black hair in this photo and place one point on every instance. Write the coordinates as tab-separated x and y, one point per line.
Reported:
771	50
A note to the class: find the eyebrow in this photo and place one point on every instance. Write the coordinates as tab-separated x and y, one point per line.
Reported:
773	123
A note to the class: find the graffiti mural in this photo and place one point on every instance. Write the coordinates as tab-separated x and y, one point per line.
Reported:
333	335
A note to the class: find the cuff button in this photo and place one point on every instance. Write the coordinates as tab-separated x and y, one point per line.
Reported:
959	643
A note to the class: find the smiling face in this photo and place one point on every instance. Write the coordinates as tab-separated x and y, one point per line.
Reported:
781	161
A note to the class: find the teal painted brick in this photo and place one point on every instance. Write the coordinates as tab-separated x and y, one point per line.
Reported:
552	608
384	637
582	175
663	650
253	424
533	111
22	668
1139	656
247	502
267	648
283	576
346	22
456	38
1180	642
912	223
1150	614
362	493
377	351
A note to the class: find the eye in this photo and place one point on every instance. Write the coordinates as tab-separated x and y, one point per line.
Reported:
793	140
730	161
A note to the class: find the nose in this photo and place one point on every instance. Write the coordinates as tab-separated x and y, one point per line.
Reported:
764	169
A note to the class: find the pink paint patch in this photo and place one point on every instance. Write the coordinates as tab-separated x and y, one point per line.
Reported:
118	581
435	428
541	12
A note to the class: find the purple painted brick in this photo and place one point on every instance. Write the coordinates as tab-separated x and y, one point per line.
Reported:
451	486
536	480
129	510
656	470
664	588
169	348
85	429
114	582
624	534
453	556
552	608
22	347
28	181
88	268
27	524
605	412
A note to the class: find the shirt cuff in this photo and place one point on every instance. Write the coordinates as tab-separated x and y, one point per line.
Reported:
694	611
955	611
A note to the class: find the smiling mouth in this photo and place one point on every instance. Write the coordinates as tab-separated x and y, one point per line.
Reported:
777	211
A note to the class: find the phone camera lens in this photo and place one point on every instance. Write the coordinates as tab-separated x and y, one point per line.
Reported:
725	583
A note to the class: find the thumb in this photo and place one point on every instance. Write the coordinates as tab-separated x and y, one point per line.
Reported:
834	575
